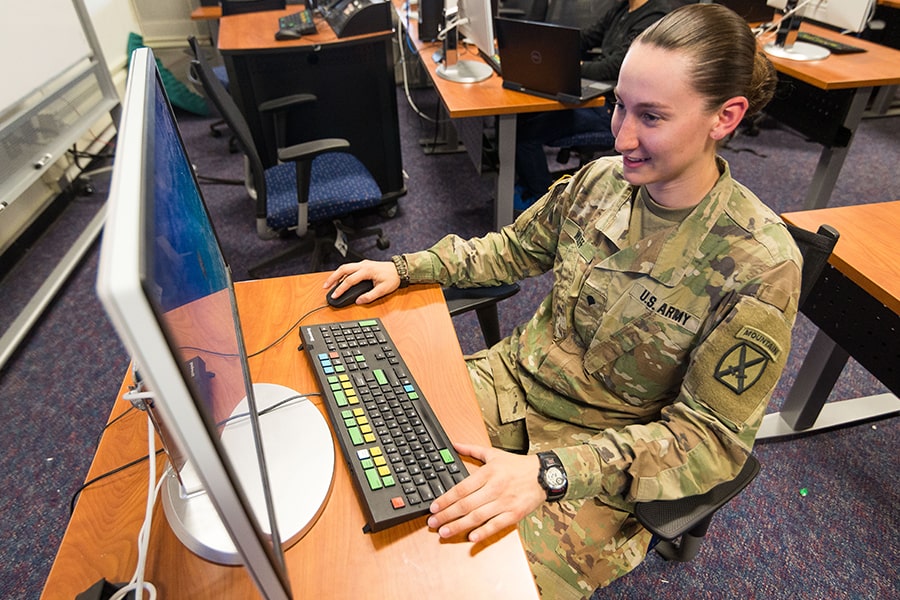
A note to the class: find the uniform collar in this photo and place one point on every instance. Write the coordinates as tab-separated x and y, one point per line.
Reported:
668	254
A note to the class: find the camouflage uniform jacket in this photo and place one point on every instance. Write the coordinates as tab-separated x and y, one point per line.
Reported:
648	367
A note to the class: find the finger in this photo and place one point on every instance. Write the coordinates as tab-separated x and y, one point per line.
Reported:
475	451
337	275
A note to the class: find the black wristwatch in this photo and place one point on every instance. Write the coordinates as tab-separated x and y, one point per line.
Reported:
552	476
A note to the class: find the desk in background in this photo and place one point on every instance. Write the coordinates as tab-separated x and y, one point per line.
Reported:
856	306
469	103
352	77
335	559
825	100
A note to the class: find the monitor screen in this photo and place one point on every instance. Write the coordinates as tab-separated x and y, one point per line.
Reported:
162	278
476	24
847	15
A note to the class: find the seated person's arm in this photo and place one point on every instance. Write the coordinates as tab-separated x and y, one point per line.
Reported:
705	435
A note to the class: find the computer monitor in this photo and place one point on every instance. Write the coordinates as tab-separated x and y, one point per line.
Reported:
845	15
234	472
472	19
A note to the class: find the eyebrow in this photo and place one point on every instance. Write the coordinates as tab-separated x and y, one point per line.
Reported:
655	106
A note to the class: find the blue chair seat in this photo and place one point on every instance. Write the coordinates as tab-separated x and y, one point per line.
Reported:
340	185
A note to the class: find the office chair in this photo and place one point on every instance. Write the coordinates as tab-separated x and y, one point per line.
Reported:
323	184
681	524
237	7
483	300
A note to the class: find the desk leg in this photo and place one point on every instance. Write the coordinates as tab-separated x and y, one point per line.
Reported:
506	177
805	410
445	140
815	379
883	103
832	159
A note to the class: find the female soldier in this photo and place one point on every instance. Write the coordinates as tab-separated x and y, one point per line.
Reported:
646	371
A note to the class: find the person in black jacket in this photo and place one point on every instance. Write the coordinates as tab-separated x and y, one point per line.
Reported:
612	35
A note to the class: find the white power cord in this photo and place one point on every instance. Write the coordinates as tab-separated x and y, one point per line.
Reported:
137	582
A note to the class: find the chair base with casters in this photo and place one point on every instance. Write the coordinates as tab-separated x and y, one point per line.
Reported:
483	300
681	524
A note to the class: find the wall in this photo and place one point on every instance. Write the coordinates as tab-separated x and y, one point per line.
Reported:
163	23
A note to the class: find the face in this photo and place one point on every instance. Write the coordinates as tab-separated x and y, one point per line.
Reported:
666	135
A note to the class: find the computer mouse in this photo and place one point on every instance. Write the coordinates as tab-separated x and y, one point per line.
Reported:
349	296
287	34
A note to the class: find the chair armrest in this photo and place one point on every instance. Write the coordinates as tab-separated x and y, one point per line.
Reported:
669	519
286	102
460	300
309	150
483	300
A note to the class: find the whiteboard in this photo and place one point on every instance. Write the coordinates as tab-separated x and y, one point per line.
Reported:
39	40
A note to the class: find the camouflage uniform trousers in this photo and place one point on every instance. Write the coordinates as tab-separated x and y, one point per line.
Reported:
614	545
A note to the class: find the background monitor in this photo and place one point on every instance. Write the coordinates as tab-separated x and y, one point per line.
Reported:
844	15
241	485
472	19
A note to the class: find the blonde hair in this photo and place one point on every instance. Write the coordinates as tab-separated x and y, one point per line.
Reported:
726	61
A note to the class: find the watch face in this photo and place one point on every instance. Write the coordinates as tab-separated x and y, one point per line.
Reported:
554	478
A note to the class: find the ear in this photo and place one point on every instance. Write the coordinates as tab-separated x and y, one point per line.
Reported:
729	117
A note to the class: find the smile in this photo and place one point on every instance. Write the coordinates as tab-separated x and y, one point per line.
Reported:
633	162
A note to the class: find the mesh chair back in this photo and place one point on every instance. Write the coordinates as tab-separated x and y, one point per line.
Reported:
226	106
815	249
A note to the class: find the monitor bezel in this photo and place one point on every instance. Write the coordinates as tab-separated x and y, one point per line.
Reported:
120	288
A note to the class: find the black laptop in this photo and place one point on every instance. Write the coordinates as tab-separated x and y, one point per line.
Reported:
544	60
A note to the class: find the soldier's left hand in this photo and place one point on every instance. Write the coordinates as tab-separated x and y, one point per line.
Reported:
492	498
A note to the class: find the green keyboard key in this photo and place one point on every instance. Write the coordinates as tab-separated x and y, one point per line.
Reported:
374	479
355	436
379	377
446	456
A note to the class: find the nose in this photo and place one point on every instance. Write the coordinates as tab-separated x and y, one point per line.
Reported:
624	131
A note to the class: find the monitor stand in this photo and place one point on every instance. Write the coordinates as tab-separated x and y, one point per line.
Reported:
786	44
798	51
460	71
299	454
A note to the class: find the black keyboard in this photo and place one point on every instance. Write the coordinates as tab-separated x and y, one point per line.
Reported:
835	46
397	451
300	22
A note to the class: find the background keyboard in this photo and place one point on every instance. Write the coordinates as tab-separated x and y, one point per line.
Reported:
301	22
398	453
835	46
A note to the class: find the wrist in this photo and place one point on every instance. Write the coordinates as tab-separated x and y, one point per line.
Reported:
552	476
402	270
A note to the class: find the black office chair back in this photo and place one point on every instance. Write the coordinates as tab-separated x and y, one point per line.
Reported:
237	7
815	248
229	111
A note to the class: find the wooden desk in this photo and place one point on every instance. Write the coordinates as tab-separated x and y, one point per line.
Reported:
468	103
206	13
352	78
825	101
335	559
856	306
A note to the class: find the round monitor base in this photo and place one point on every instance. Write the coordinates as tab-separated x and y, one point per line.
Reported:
299	455
465	71
798	51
